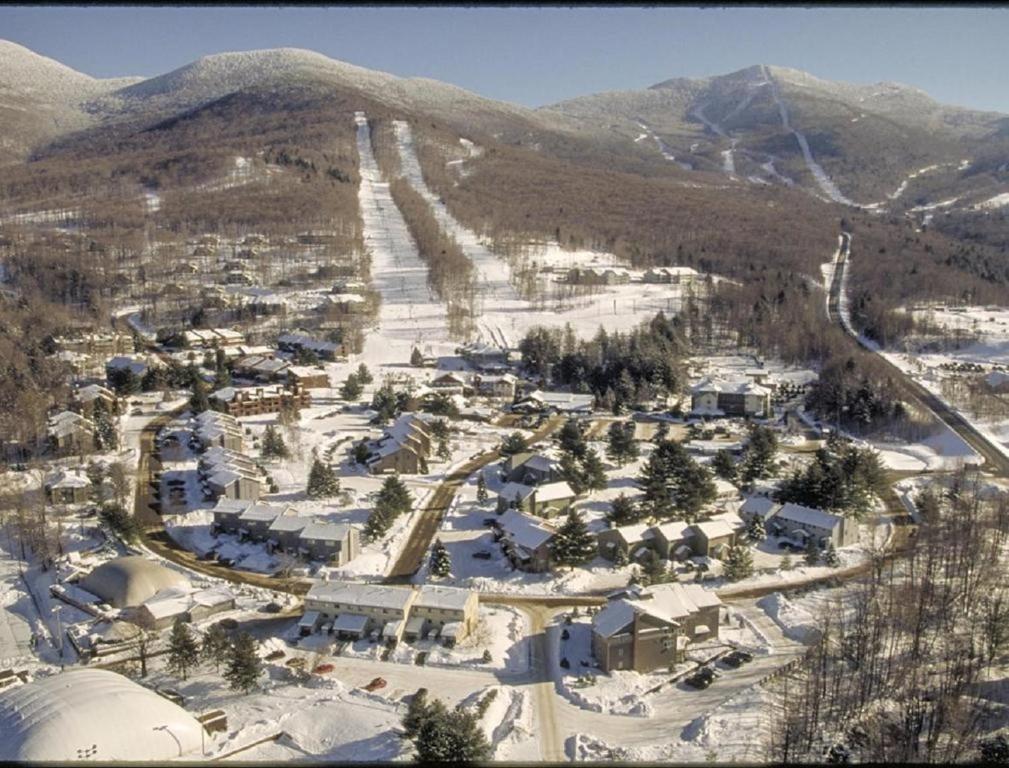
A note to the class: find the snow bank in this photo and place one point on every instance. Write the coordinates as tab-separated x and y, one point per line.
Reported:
795	622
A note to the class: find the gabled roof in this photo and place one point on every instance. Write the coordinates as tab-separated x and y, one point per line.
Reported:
761	506
729	386
675	530
361	595
714	529
437	596
525	530
796	513
323	531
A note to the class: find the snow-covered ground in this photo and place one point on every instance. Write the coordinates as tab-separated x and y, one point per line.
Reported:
410	316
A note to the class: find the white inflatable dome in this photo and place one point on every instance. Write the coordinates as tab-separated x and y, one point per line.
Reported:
129	581
93	714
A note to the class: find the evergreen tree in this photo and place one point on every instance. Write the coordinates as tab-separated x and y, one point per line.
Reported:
106	434
394	497
572	439
360	452
183	651
571	471
364	375
199	402
216	646
481	488
830	556
656	572
755	530
620	558
621	446
812	551
416	358
244	665
272	445
416	713
592	471
441	562
724	466
623	511
514	443
323	482
376	525
758	460
738	562
454	736
351	389
671	479
573	544
786	563
124	381
154	379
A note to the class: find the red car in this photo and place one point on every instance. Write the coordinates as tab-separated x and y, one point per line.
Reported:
323	669
375	684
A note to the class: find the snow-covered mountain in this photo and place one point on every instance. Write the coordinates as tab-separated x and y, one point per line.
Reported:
868	144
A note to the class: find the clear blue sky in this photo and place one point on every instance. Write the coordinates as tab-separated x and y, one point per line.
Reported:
536	56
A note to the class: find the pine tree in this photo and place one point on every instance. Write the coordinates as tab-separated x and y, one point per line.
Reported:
199	402
376	525
215	646
244	665
183	651
514	443
573	544
623	511
351	389
481	488
738	563
394	497
364	375
572	440
416	358
830	556
592	471
656	572
620	558
416	713
724	466
758	460
441	561
450	736
812	551
621	446
786	563
755	530
322	481
273	445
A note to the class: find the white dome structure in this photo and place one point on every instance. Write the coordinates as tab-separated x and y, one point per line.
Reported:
93	714
129	581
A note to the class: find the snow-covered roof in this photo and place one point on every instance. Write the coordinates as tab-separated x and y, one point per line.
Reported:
128	581
796	513
231	507
261	513
733	519
613	618
760	506
634	532
391	628
714	529
675	530
289	523
173	601
729	387
350	622
361	595
554	491
563	401
511	491
93	713
68	478
320	530
93	392
525	530
436	596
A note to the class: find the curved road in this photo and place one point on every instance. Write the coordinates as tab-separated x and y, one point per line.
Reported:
995	459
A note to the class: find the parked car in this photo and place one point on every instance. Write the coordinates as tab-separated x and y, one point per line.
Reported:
490	521
275	655
732	660
375	684
322	669
746	656
295	662
483	554
228	623
273	608
698	681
